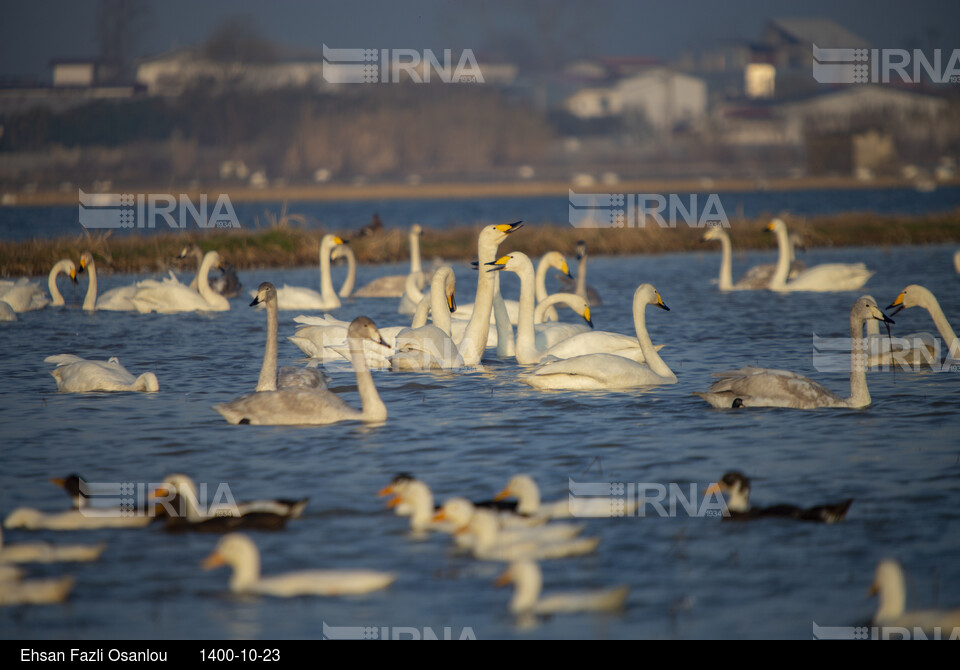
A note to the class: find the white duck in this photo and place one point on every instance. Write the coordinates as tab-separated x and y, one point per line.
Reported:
460	511
167	297
78	375
826	277
239	552
918	296
528	583
42	552
609	371
14	591
488	544
888	585
762	387
314	406
527	493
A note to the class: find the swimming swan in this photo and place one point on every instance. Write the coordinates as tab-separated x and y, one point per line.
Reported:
915	349
240	553
609	371
918	296
23	295
392	286
757	278
167	297
115	300
888	586
430	347
826	277
227	284
298	297
78	375
528	583
291	407
67	267
588	293
762	387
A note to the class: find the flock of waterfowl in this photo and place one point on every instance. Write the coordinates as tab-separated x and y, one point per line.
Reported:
569	356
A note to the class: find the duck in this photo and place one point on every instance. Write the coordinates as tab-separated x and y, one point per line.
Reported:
17	591
527	579
240	553
736	487
43	552
527	494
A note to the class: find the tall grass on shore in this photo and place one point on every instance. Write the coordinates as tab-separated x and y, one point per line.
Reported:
291	246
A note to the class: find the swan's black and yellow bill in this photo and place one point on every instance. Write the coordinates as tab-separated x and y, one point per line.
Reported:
73	276
255	301
880	316
452	303
586	316
83	265
499	264
566	270
898	304
660	301
509	227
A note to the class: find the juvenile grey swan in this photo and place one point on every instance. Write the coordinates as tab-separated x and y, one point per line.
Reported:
294	407
763	387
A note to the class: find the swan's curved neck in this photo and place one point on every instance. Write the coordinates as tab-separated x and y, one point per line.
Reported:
203	283
411	287
526	335
526	591
326	283
779	279
726	263
474	339
372	406
268	371
943	326
650	355
246	571
859	393
569	299
542	268
506	345
90	301
347	288
423	310
195	282
415	253
438	303
59	267
582	276
893	599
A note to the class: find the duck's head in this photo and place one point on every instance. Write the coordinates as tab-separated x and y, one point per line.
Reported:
736	486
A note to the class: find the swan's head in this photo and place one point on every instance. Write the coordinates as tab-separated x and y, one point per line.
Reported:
329	242
736	486
555	259
66	266
340	251
416	229
147	382
796	241
457	511
363	328
265	293
212	259
446	281
515	261
75	486
646	294
521	487
188	251
888	585
86	259
495	234
912	296
866	308
776	226
713	233
23	517
235	549
581	249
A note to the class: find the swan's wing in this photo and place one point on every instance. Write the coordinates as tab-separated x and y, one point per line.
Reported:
832	277
302	378
592	371
168	297
383	287
63	359
120	299
548	334
425	348
298	297
757	277
763	387
82	376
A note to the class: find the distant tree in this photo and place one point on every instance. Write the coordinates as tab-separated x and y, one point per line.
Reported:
120	24
237	40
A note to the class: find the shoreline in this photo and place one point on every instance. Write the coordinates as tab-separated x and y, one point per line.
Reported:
288	246
464	190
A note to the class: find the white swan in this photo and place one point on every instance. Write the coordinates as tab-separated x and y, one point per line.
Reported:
609	371
117	300
888	585
392	286
762	387
528	583
314	406
67	267
23	295
239	552
917	296
527	493
298	297
78	375
551	259
915	349
171	296
826	277
14	591
227	284
757	278
6	312
532	341
42	552
344	251
579	286
430	347
956	261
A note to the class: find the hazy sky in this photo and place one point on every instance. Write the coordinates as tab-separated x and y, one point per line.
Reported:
33	32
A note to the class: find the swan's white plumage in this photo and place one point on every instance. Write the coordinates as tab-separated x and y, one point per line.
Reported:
827	277
78	375
888	585
168	297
